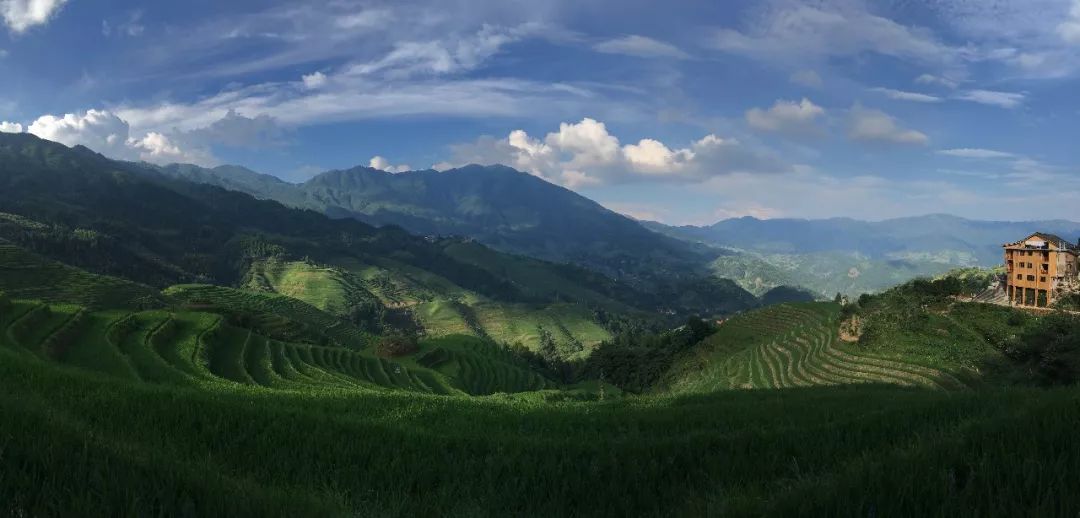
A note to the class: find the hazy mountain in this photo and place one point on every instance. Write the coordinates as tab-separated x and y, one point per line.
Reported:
937	236
496	205
852	256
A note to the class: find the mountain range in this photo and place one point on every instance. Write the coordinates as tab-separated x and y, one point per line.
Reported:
519	213
851	256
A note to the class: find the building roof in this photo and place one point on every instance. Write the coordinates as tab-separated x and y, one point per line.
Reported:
1050	238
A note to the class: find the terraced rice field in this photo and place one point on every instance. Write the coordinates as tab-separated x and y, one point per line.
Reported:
271	310
479	367
795	345
26	275
193	348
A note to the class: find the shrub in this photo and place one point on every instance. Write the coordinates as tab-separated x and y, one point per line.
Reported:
394	345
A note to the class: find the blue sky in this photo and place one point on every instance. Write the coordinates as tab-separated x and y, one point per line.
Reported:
683	112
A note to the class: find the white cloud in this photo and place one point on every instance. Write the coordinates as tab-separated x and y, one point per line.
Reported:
382	164
901	95
106	133
584	154
993	98
875	125
588	141
366	19
1069	30
131	26
440	57
99	130
787	117
21	15
314	80
640	46
794	32
808	78
930	79
977	153
10	127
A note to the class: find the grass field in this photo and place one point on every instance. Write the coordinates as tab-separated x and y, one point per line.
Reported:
792	345
86	443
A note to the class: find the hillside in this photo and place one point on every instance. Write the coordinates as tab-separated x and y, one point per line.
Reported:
170	413
127	221
928	333
498	206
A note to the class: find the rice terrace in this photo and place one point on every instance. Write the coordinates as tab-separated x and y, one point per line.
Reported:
703	259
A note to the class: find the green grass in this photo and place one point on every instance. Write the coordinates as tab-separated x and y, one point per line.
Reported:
89	442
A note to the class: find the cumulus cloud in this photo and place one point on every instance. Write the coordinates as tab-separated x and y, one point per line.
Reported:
875	125
109	134
238	131
21	15
314	80
808	78
99	130
585	153
993	98
640	46
10	127
901	95
787	117
382	164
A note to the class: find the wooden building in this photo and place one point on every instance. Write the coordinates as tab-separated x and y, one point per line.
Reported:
1038	268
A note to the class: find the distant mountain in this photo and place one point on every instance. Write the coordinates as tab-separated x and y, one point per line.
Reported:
503	208
851	256
938	236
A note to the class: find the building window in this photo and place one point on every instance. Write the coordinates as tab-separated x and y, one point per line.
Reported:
1019	277
1029	296
1042	279
1045	267
1042	302
1031	277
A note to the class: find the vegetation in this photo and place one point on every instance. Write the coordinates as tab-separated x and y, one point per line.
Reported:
305	366
91	442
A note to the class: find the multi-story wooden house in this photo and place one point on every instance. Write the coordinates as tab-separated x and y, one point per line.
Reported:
1038	268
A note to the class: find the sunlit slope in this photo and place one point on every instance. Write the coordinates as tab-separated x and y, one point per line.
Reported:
437	305
787	346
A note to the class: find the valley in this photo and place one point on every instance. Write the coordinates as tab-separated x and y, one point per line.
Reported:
211	353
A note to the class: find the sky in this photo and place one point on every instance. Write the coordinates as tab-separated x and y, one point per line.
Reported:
685	112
